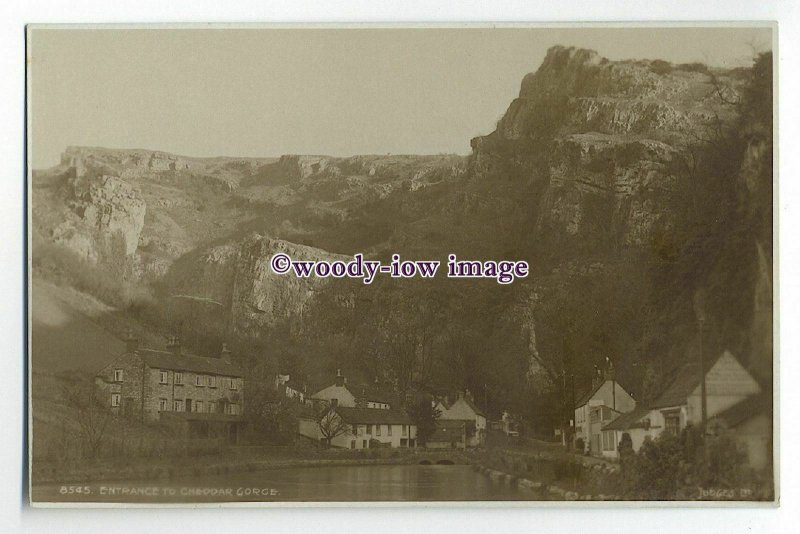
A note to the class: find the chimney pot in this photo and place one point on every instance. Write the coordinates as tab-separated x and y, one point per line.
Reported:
131	341
225	354
174	345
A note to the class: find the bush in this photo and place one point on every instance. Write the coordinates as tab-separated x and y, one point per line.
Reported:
693	67
674	467
580	445
660	67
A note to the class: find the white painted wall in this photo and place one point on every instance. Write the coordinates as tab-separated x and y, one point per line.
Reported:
340	393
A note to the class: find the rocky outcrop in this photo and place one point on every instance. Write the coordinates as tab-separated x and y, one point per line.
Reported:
238	276
260	297
104	217
136	164
605	139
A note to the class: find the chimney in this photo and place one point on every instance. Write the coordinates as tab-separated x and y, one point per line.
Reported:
468	395
460	395
131	341
174	345
339	378
597	378
609	373
225	355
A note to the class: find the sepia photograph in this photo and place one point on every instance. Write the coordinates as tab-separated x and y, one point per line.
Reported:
357	263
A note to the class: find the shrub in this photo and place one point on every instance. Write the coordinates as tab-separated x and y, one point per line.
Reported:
693	67
660	67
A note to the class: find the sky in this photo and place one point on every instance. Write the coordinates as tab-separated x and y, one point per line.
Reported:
338	92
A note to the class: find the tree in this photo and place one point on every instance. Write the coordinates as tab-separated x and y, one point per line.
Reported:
91	412
331	424
271	415
424	415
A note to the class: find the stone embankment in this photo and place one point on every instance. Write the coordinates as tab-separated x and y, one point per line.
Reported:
549	477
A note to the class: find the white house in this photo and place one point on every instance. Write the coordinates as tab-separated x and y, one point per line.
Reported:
360	428
340	393
465	409
598	406
337	394
728	385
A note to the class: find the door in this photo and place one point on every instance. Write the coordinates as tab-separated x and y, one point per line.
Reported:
188	405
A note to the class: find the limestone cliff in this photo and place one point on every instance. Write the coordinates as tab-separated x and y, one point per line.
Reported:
238	276
262	298
97	216
605	140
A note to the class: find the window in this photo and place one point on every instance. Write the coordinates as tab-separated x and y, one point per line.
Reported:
115	399
212	381
378	430
388	430
233	384
405	430
162	405
212	407
163	377
198	381
671	424
178	405
178	379
117	375
369	430
334	403
233	409
363	444
198	406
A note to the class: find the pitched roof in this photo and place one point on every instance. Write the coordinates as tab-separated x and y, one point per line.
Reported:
746	409
474	406
586	397
686	380
161	359
448	431
373	416
628	420
362	391
371	393
471	403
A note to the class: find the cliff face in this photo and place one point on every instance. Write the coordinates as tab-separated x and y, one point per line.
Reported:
616	160
604	139
238	276
97	216
262	298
